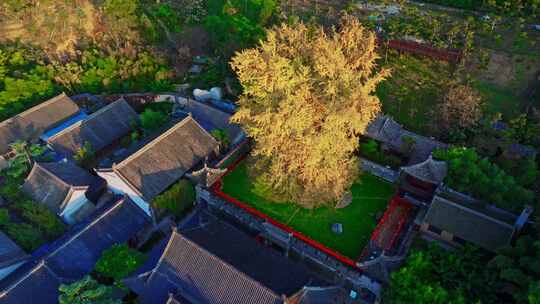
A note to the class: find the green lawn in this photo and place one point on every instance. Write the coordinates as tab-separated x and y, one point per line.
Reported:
413	91
499	100
370	195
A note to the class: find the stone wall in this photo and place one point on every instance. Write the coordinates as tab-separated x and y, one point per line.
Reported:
383	172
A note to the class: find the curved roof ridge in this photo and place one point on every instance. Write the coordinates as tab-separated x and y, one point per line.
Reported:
36	107
154	142
430	170
90	117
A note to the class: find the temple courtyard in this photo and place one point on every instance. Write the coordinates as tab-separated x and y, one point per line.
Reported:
370	197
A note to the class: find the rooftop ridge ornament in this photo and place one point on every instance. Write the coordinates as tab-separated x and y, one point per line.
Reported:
206	176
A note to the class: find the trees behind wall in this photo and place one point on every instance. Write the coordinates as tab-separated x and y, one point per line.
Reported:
434	275
25	80
470	173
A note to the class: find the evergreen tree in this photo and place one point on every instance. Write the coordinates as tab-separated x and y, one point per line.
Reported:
86	291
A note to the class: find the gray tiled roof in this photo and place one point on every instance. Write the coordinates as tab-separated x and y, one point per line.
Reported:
74	257
100	129
383	128
10	253
176	299
468	224
240	250
51	183
430	170
38	284
215	262
206	114
386	130
188	269
34	121
77	256
167	158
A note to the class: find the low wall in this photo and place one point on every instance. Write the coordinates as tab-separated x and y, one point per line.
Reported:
383	172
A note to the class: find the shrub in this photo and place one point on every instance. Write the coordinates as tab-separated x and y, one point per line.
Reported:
86	290
371	151
119	261
84	153
152	120
25	235
178	199
163	107
41	218
4	217
222	137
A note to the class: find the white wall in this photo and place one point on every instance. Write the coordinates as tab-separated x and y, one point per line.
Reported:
76	202
117	185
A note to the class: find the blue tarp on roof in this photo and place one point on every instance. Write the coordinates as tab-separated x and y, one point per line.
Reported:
66	124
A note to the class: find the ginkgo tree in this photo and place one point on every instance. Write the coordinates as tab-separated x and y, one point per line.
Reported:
308	95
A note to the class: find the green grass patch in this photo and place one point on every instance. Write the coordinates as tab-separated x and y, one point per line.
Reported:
370	196
499	100
413	91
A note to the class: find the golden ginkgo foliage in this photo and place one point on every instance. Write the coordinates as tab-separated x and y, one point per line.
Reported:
308	95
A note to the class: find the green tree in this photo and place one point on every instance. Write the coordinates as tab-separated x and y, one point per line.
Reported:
222	137
24	158
238	23
84	153
518	267
308	95
470	173
41	217
435	275
534	293
177	199
119	261
122	21
4	217
152	120
86	291
523	130
25	235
